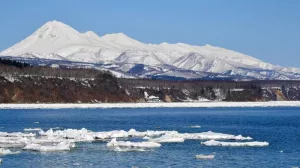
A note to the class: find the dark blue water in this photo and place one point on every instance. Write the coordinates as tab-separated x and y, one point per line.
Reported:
278	126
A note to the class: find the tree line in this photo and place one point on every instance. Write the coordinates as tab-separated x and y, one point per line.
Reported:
16	68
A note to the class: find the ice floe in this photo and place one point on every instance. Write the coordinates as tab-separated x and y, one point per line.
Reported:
220	143
130	133
32	129
166	139
16	134
205	156
205	136
82	135
62	146
76	164
195	126
7	152
117	140
118	149
128	144
56	128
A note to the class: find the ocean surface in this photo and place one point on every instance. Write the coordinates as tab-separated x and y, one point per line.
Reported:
278	126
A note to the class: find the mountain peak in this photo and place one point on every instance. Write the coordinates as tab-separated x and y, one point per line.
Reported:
91	34
54	29
208	45
115	36
120	38
55	24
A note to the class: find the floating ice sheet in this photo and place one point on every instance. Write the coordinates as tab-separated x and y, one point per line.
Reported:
16	134
205	156
7	152
127	144
63	146
118	149
195	126
220	143
32	129
64	140
166	139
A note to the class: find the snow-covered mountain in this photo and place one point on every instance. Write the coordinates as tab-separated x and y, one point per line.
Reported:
58	41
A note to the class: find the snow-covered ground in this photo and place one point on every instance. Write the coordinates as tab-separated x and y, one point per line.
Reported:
154	105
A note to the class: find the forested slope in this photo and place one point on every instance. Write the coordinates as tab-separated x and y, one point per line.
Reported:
23	83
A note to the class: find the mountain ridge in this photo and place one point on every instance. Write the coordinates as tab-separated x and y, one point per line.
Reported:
58	41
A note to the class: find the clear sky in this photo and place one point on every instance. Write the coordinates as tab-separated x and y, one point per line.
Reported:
265	29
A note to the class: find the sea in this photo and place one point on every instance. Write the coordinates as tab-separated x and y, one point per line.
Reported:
279	126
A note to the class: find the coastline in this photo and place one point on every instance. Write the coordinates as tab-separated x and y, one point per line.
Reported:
154	105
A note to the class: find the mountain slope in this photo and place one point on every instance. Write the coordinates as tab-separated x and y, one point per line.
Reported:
58	41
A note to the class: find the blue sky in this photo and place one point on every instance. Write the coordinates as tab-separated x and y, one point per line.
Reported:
265	29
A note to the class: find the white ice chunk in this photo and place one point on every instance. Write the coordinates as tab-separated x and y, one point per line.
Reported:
32	129
198	136
82	135
50	140
63	146
195	126
148	133
220	143
167	140
13	142
205	156
16	134
171	137
56	128
213	135
111	134
76	164
130	133
12	145
7	152
118	149
115	143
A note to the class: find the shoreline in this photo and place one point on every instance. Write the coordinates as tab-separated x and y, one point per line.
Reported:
153	105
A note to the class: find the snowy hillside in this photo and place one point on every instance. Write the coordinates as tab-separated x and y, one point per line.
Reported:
58	41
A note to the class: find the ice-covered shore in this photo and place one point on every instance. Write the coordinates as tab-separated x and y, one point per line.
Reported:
154	105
